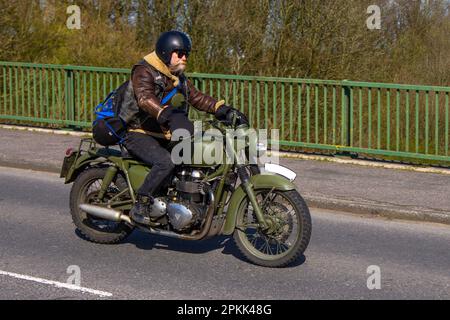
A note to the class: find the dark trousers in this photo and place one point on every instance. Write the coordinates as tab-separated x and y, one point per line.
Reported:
151	151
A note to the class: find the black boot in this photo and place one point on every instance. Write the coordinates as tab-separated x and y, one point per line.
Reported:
141	210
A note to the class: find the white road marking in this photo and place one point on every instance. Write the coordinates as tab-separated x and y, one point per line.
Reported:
57	284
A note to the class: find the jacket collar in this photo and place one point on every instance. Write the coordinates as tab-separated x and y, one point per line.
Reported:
156	63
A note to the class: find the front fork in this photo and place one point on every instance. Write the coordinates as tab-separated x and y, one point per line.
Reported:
248	188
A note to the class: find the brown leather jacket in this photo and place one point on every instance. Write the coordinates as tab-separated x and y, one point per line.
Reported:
144	86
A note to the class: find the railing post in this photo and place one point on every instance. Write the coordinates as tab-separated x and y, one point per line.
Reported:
69	95
347	119
348	114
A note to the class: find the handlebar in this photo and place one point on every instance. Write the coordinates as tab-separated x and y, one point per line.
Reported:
215	123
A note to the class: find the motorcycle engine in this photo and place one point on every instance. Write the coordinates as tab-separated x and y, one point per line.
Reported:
187	209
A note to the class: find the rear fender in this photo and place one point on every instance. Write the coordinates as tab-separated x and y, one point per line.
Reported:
82	161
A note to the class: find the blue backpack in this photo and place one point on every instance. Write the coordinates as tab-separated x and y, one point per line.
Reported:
108	127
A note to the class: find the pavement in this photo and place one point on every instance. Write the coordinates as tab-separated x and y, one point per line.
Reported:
360	189
349	257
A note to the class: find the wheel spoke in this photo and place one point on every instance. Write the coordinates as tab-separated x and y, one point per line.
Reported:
270	249
279	250
263	248
90	196
254	238
263	203
289	212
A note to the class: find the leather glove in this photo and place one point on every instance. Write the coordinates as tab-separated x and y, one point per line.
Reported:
226	113
175	118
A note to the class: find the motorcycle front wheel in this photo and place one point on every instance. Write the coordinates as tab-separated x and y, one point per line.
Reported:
288	236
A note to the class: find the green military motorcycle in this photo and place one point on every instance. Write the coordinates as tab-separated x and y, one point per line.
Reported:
258	205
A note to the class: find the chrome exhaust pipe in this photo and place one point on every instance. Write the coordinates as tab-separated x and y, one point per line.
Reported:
105	213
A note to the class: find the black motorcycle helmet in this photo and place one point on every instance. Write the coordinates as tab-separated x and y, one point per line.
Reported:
171	41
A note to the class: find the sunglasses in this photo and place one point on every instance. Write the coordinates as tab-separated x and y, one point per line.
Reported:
181	53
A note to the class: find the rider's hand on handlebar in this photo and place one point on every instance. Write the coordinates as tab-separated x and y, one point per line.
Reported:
226	114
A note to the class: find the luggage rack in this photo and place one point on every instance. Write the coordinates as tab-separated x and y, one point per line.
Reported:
90	142
90	146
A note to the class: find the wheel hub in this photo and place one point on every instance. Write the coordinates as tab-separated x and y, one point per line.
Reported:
276	217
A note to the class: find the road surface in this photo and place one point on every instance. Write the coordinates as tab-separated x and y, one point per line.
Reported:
40	250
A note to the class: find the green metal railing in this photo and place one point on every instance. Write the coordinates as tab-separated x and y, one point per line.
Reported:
377	119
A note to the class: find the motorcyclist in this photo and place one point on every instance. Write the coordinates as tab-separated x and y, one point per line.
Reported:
151	127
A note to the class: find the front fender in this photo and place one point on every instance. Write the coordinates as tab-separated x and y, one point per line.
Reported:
260	181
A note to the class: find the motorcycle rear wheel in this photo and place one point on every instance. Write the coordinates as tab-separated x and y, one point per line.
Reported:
84	190
285	243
